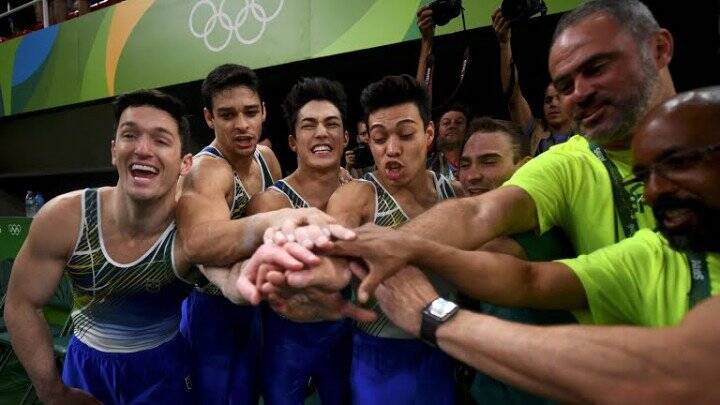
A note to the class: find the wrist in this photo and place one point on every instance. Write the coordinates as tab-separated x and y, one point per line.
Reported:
449	329
415	247
48	391
437	312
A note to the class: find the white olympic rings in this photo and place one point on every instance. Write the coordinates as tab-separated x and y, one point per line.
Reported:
14	229
226	23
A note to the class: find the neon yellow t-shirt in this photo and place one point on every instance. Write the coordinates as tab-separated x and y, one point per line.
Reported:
571	189
639	281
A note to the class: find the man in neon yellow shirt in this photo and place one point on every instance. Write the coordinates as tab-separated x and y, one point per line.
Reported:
609	60
652	279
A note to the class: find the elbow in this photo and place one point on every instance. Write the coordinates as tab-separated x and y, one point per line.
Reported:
15	310
192	247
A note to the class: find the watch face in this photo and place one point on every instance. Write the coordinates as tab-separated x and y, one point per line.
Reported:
441	308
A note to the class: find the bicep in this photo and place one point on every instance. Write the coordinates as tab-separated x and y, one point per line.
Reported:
350	204
554	285
548	182
39	265
204	197
507	210
266	201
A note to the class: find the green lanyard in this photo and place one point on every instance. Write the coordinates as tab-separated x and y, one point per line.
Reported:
621	197
700	277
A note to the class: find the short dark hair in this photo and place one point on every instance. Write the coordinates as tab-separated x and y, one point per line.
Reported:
310	89
458	107
393	90
631	15
225	77
161	101
520	143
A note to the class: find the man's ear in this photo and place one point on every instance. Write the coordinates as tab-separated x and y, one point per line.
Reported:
292	142
208	118
113	157
186	164
347	139
263	111
429	133
522	162
663	48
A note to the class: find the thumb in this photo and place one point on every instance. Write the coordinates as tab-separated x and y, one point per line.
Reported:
369	284
248	290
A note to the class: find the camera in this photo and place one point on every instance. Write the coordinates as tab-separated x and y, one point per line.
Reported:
445	10
363	157
522	10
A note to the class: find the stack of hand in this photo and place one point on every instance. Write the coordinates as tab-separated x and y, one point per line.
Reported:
302	270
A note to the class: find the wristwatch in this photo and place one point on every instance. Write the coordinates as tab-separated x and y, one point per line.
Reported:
435	314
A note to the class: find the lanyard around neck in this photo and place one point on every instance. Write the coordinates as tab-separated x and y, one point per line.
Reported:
621	197
700	278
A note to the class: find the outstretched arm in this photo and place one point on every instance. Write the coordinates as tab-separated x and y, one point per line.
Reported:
491	277
208	235
464	223
468	223
575	363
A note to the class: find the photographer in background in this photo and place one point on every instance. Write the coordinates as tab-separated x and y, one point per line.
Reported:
359	160
452	124
555	125
451	130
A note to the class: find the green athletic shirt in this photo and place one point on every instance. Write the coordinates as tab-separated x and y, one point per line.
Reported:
639	281
549	246
572	190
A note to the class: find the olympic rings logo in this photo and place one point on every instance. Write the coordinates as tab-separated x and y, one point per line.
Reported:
14	229
221	20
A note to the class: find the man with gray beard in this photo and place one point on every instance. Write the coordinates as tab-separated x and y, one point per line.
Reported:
609	62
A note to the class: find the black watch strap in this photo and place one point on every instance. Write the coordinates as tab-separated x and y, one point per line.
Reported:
431	322
428	329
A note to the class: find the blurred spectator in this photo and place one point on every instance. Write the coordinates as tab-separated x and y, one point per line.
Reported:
449	136
450	128
555	126
359	160
492	152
